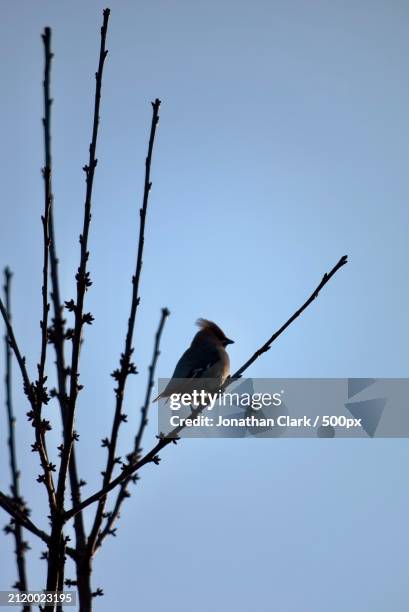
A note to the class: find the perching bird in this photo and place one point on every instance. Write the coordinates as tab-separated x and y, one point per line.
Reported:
205	358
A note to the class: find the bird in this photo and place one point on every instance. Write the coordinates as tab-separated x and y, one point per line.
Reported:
206	358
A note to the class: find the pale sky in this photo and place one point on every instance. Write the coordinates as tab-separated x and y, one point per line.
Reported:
282	145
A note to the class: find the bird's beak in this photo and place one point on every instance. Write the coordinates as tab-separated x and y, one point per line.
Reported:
228	341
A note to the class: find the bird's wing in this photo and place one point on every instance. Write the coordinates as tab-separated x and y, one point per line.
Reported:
194	363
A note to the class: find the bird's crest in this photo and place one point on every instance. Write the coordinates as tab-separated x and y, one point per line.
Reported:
205	324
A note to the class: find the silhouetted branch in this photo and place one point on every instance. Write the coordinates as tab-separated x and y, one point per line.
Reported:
21	545
274	337
83	283
127	366
19	514
46	37
43	397
39	390
152	456
123	492
151	381
29	390
56	332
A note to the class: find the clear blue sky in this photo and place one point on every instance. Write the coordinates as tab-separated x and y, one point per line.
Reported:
282	145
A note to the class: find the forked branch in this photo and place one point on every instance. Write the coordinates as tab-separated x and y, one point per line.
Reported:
21	516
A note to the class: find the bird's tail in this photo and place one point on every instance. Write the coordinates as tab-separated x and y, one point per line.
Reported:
160	396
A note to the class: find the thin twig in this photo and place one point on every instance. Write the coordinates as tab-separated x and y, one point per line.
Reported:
29	390
126	364
83	283
137	450
20	515
152	456
47	208
21	545
46	37
39	390
274	337
151	381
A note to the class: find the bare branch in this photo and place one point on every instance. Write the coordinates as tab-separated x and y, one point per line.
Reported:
126	365
83	283
47	208
21	545
56	332
37	393
29	390
152	456
52	549
145	408
20	515
274	337
123	493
